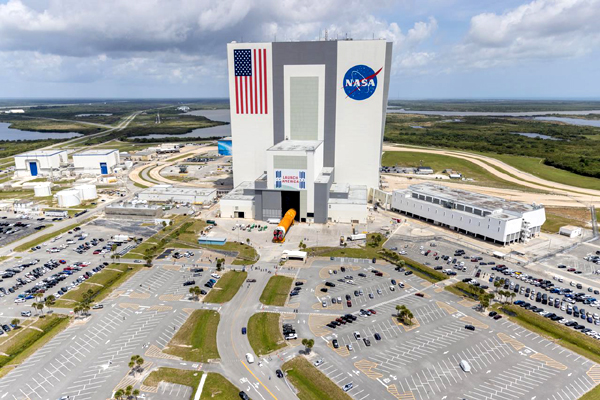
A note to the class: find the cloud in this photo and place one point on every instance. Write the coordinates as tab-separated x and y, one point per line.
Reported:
539	30
62	40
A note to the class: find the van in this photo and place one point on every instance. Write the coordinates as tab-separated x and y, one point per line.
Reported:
464	364
249	358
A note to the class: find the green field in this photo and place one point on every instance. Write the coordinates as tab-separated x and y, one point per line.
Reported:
276	291
264	333
440	162
226	287
310	382
247	255
101	284
196	340
21	343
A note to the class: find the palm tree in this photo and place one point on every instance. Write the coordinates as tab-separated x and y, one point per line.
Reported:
77	309
40	307
50	301
128	391
15	322
119	394
34	306
139	362
512	297
308	344
136	393
195	291
497	285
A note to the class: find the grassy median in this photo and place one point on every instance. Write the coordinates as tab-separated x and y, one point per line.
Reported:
226	287
310	382
215	386
196	340
560	334
276	291
264	333
246	255
23	342
101	284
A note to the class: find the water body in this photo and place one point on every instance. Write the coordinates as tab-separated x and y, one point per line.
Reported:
215	131
494	114
534	135
572	121
93	115
15	134
417	127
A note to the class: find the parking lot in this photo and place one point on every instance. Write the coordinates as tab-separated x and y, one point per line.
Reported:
12	229
421	361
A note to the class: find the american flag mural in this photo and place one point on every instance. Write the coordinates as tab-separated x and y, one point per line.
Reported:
250	81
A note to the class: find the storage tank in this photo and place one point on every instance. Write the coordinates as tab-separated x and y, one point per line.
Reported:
42	190
87	192
128	164
68	198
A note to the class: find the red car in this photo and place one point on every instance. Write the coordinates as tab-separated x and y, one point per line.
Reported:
62	261
372	311
571	270
349	303
378	274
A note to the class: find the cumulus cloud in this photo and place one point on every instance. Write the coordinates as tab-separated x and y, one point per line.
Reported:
538	30
62	40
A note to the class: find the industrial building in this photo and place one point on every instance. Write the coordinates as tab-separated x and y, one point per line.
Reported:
177	194
224	146
144	155
56	213
133	210
485	217
307	122
40	163
96	161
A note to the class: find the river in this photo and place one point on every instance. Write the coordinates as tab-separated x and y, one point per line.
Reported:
215	131
15	134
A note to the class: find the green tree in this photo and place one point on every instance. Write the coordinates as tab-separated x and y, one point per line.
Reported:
128	391
195	291
308	344
119	394
15	322
497	285
50	301
136	393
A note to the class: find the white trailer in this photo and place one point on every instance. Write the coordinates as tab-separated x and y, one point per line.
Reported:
361	236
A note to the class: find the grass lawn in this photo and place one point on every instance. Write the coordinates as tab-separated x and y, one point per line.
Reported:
23	342
463	289
535	166
440	162
192	232
162	239
48	236
593	394
196	340
102	284
310	382
215	386
560	334
276	291
264	333
246	254
561	216
226	287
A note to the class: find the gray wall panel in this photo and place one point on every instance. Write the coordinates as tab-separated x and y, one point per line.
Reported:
306	53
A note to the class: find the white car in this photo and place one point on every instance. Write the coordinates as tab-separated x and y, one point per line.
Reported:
318	362
19	300
402	252
249	358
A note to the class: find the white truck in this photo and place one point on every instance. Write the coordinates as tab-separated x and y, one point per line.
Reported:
120	238
273	221
361	236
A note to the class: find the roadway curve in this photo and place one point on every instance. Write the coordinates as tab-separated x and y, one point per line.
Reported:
578	195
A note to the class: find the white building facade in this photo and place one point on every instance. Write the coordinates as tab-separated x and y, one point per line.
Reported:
486	217
177	194
96	161
305	116
40	163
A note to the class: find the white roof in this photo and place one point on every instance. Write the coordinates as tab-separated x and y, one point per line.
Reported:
295	253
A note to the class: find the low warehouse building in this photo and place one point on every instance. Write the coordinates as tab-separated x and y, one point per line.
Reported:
39	163
487	217
570	231
96	161
133	211
56	213
181	194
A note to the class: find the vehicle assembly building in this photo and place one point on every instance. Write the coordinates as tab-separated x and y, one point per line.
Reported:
39	162
96	161
486	217
307	122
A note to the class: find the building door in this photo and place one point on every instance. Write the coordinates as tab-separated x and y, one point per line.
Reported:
238	214
103	168
33	168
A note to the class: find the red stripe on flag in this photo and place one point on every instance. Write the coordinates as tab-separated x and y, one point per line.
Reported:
251	78
265	77
246	92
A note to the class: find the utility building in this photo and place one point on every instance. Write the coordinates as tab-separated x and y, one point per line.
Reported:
485	217
96	161
39	163
306	116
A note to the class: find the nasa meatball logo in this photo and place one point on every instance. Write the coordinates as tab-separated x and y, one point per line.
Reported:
360	82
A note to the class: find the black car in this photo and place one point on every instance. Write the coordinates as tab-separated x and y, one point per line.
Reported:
470	327
244	396
335	343
367	342
492	313
377	336
408	273
348	297
279	373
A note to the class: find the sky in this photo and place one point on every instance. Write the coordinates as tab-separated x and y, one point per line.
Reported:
442	49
